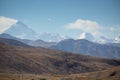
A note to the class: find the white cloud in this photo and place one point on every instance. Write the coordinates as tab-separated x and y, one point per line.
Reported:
5	23
86	26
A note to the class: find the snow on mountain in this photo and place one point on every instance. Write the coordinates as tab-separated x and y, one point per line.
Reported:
117	39
6	23
51	37
21	30
104	40
16	28
87	36
98	39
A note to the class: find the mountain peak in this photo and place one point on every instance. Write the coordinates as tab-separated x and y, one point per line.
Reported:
51	37
117	39
86	36
20	30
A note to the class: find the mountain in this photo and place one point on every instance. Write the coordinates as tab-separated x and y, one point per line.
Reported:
16	28
86	47
115	44
51	37
98	39
47	61
4	35
40	43
104	40
13	42
35	43
87	36
22	31
117	39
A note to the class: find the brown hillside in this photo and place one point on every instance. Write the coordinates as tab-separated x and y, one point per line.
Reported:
47	61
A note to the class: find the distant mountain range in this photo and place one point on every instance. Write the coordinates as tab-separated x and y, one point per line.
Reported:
83	46
6	38
100	40
22	31
19	34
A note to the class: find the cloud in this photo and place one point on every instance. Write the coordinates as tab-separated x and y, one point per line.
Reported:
86	26
5	23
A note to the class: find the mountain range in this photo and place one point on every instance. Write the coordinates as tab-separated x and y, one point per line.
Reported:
6	38
81	46
20	30
19	34
86	47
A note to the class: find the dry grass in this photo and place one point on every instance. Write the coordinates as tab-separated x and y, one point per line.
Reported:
110	74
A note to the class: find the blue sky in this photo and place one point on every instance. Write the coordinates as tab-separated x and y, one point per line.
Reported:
66	17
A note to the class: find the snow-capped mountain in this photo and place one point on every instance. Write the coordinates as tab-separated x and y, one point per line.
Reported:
16	28
51	37
104	40
98	39
21	30
87	36
117	39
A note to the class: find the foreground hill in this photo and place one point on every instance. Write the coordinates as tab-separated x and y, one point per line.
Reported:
47	61
110	74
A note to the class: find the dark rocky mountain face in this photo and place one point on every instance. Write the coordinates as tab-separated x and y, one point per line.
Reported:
86	47
13	42
7	36
41	43
47	61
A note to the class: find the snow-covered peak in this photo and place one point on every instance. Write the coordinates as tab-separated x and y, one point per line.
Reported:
6	23
51	37
117	39
98	39
87	36
20	30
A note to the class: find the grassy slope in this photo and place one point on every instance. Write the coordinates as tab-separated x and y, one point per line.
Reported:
110	74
